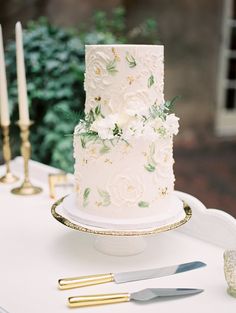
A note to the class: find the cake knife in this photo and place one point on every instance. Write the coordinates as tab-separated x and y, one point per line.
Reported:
76	282
139	296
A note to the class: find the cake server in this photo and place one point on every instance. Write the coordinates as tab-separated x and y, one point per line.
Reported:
75	282
139	296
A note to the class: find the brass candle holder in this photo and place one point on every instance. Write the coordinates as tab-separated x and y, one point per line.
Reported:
26	189
8	178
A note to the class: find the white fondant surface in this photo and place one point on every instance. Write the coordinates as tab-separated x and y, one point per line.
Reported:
169	211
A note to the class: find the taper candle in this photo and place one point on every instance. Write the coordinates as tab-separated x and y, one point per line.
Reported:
4	110
21	78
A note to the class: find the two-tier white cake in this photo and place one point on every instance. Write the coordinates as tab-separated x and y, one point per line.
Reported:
123	148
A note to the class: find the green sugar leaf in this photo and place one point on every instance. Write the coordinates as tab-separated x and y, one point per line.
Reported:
105	197
87	137
151	81
155	111
117	131
104	149
90	117
168	105
83	144
131	60
152	149
150	167
143	204
85	196
111	67
151	160
97	110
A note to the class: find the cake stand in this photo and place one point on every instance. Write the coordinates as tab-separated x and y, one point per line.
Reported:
117	240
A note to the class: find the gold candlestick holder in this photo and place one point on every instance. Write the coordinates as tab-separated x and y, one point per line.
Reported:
8	178
26	189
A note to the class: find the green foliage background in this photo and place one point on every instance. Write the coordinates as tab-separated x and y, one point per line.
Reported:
54	59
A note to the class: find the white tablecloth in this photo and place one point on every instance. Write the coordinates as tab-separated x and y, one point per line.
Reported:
36	250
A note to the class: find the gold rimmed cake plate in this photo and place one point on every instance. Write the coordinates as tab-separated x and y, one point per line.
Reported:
62	216
118	241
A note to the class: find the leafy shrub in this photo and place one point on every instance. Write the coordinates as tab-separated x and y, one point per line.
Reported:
54	59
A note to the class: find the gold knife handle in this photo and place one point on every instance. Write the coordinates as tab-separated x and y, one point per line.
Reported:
82	301
77	282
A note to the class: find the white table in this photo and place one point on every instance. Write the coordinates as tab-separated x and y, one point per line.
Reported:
36	250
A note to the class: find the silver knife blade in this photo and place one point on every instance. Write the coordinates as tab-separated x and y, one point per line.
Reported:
152	293
156	272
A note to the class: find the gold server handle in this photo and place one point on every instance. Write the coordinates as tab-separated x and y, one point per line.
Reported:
77	282
82	301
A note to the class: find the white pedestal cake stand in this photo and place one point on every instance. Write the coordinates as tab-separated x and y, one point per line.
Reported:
114	238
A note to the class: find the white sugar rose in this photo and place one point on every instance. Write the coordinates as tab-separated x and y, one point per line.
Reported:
156	124
149	132
126	189
134	128
152	128
172	124
104	126
123	119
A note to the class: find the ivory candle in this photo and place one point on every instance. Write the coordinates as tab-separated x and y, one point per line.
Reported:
21	79
4	110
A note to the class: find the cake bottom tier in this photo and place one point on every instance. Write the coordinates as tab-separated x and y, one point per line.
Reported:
125	180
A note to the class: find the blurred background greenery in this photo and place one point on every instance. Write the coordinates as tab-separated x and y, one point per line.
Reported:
54	58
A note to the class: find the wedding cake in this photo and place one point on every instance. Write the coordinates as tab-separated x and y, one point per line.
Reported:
123	148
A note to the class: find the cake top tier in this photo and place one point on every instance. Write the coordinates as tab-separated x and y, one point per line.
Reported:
124	79
124	94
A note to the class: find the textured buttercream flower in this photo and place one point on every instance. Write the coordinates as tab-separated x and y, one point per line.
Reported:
153	61
96	75
163	154
172	124
93	150
136	103
163	176
126	189
93	101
